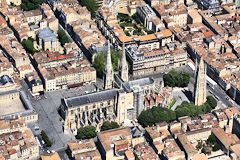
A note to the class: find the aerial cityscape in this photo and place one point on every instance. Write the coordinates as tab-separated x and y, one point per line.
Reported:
119	79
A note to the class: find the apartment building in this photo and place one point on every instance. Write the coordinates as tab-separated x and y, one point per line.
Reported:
33	16
145	61
172	14
18	141
67	75
163	143
84	149
6	67
147	15
114	143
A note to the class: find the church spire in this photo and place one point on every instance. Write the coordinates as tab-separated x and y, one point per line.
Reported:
108	79
124	65
200	89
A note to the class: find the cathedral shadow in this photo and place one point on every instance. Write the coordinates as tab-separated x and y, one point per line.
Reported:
188	94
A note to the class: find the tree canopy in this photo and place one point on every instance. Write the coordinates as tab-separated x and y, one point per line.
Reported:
92	6
86	132
156	115
212	101
159	114
62	36
175	78
212	141
28	45
190	109
46	139
107	125
28	5
100	61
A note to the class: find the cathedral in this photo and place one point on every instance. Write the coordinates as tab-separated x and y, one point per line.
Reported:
120	100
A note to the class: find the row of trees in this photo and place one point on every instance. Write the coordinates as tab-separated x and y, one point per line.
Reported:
100	61
175	78
159	114
28	5
62	36
90	131
156	115
46	139
190	109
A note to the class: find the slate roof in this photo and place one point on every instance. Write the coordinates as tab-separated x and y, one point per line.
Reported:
139	82
91	98
47	35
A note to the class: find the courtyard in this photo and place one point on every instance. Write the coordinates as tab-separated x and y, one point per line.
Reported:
132	25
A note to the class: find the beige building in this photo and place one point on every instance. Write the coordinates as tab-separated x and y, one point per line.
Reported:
60	77
35	84
146	61
14	2
163	144
33	16
144	151
194	16
225	140
179	16
6	67
14	102
22	145
84	149
6	84
47	40
114	143
60	71
50	156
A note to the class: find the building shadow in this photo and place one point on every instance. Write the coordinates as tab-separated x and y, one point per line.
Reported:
188	94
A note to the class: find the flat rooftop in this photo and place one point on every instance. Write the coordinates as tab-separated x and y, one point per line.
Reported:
20	106
11	106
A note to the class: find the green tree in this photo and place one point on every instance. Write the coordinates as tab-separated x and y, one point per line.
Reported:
211	139
100	61
124	17
216	147
213	142
199	145
187	109
107	125
62	36
28	5
28	45
92	6
137	18
156	115
176	79
46	139
212	102
86	132
146	118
